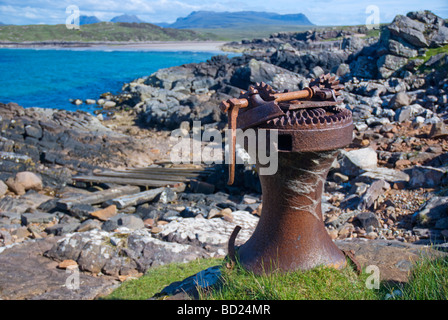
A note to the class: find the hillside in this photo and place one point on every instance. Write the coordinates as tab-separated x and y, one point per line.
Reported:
212	20
104	31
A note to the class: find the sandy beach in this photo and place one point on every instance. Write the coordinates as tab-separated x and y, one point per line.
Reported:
207	46
200	46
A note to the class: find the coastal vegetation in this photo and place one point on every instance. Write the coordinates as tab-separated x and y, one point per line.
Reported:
104	31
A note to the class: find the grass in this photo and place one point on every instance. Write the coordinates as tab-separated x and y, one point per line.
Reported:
321	283
428	281
104	31
428	54
158	278
249	33
433	51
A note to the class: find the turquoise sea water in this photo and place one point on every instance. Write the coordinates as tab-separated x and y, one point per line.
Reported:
48	78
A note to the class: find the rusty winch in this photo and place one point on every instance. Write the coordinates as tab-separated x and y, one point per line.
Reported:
311	127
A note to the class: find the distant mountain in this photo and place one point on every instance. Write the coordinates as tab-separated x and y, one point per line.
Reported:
129	18
88	20
212	19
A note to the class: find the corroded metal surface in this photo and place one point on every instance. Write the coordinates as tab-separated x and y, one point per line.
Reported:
311	128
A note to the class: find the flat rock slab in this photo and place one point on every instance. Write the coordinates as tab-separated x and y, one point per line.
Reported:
25	274
393	258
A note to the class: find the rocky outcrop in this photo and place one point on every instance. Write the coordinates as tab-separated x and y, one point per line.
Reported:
403	39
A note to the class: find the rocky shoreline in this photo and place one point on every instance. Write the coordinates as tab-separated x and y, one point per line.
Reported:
388	186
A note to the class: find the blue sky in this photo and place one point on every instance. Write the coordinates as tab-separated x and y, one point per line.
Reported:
320	12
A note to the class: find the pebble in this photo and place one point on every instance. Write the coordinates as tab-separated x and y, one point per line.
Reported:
68	264
106	213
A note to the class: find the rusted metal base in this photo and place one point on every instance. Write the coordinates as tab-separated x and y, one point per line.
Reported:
291	234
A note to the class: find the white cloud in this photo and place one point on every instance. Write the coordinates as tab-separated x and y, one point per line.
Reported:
320	12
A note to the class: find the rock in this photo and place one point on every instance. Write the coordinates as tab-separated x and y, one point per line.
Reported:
38	217
436	30
386	174
33	131
399	100
26	203
400	48
425	176
120	253
88	225
372	193
81	211
367	219
412	31
371	235
3	188
215	232
316	72
333	234
408	112
67	264
77	102
23	182
388	64
260	71
355	162
26	274
62	228
109	104
388	255
129	221
342	70
340	178
431	212
444	234
201	187
224	213
90	101
106	213
6	238
188	288
438	130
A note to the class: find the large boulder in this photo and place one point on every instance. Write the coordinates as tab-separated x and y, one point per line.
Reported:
24	181
436	31
355	162
399	42
388	64
410	30
260	71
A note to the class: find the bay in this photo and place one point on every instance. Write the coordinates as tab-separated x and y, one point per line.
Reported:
49	78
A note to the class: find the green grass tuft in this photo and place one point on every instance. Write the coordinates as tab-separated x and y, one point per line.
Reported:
158	278
321	283
428	281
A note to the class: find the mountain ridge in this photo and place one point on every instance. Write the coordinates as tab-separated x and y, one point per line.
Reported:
214	19
129	18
